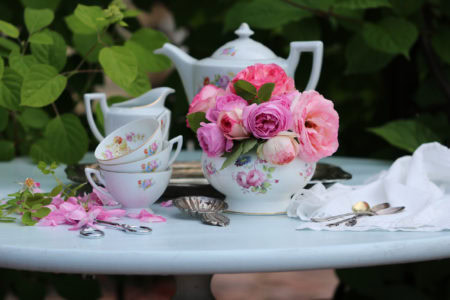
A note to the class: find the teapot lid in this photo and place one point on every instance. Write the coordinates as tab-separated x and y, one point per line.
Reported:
243	48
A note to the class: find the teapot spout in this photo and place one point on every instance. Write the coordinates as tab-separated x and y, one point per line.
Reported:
183	63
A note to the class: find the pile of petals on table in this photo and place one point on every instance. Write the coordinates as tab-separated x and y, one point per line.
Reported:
84	210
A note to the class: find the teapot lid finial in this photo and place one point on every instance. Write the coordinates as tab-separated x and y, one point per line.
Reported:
244	31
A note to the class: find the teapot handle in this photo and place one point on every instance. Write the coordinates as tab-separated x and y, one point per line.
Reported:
316	47
87	102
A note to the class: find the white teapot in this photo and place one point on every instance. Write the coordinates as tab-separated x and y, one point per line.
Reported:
148	105
235	56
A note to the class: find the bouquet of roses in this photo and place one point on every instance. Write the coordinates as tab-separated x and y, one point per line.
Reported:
261	109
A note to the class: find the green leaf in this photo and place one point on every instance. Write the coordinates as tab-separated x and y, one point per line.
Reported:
42	86
406	8
142	43
6	150
139	85
54	54
245	89
441	43
35	117
41	212
36	19
78	27
361	4
27	219
307	29
405	134
21	63
248	145
194	120
264	14
10	85
391	35
3	118
2	67
39	4
363	59
83	43
6	46
119	64
39	151
234	155
265	91
9	29
91	16
67	139
41	38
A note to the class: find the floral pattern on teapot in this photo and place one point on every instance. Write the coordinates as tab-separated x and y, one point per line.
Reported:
219	80
231	51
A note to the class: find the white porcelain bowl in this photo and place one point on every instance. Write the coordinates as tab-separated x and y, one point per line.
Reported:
254	186
132	142
132	190
157	162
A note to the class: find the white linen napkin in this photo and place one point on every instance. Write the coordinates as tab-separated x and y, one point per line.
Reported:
420	182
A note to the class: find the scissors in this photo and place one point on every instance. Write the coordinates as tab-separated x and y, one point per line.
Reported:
92	233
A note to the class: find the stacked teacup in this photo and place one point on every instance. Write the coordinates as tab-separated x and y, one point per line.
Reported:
135	163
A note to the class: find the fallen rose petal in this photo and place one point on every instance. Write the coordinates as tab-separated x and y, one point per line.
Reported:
145	216
168	203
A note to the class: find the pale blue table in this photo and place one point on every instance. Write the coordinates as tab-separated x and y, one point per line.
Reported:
184	246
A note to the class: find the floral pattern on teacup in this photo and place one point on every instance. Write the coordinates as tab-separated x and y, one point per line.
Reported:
145	183
133	137
152	149
151	166
117	148
256	176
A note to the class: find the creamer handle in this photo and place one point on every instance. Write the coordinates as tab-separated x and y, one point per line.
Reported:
87	103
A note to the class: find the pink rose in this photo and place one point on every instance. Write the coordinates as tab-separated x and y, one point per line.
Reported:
255	177
211	139
230	122
205	99
316	124
226	102
260	74
279	150
287	99
267	119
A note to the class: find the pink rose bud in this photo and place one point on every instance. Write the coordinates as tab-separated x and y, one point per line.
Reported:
280	150
266	120
211	139
230	122
316	124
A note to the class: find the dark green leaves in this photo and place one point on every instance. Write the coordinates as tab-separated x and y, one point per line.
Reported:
391	35
265	91
361	4
42	86
248	145
441	43
194	120
248	91
6	150
405	134
245	89
34	118
266	14
37	19
10	84
53	54
21	63
233	155
67	139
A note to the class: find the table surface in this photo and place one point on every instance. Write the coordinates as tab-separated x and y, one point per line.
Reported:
185	246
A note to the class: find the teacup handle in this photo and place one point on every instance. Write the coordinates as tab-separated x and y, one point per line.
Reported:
179	141
164	120
87	103
89	172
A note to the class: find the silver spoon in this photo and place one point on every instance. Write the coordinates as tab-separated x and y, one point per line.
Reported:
371	211
352	221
